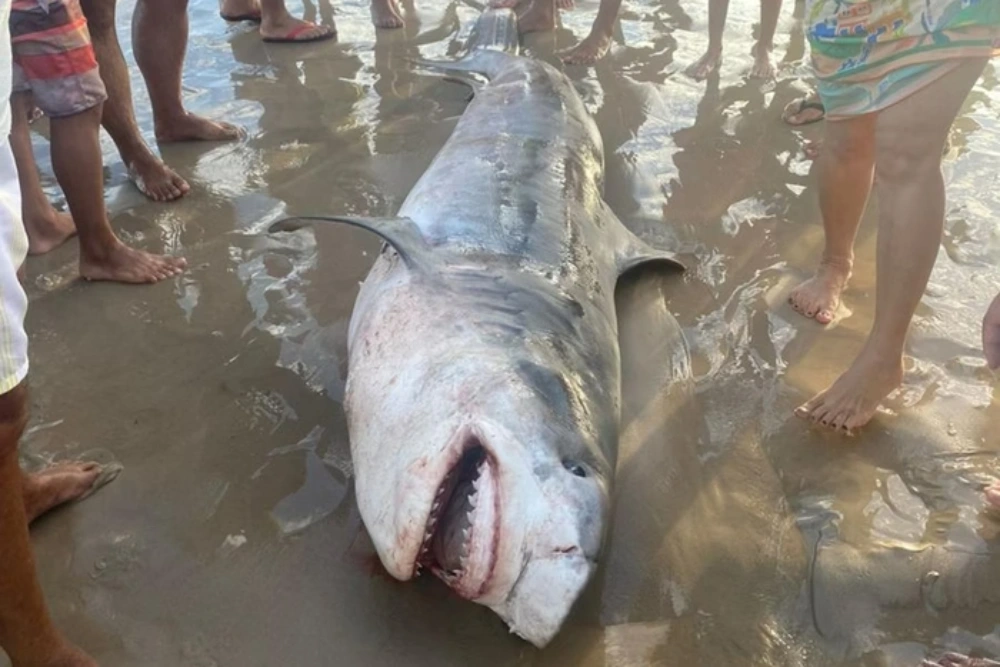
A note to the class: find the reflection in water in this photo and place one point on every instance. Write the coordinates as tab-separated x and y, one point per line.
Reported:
740	536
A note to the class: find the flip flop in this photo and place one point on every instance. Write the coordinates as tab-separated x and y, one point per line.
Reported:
252	18
110	469
804	104
291	37
109	472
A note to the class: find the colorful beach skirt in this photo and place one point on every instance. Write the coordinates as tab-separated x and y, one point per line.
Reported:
870	54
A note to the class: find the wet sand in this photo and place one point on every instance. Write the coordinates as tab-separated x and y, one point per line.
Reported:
740	537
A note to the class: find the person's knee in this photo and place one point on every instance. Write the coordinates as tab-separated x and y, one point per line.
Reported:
13	419
904	158
850	142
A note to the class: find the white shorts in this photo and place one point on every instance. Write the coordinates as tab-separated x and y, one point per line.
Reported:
13	300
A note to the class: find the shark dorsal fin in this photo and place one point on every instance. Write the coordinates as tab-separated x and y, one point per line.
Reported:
401	233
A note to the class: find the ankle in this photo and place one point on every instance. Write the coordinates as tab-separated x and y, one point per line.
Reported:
600	34
276	19
38	217
31	490
100	247
168	117
235	7
839	264
883	353
137	153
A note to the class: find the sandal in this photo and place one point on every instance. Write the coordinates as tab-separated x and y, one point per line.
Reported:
293	35
801	105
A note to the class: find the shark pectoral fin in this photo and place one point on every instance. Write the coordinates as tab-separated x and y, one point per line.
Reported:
469	80
400	233
638	253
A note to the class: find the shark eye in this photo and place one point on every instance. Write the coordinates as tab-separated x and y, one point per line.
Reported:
575	468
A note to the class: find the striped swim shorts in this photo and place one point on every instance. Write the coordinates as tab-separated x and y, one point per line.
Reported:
53	56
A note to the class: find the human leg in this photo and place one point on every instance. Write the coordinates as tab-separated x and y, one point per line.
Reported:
909	137
47	228
844	174
763	67
596	44
153	178
538	16
159	37
77	161
27	633
278	25
52	53
709	63
386	13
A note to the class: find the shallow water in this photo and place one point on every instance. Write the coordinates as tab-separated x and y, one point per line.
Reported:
740	537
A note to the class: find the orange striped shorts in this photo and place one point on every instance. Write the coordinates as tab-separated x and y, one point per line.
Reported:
53	56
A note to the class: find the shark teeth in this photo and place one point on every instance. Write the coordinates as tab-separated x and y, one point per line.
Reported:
447	549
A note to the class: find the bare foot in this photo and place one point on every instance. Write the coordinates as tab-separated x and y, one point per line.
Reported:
819	297
68	656
991	334
48	232
156	180
57	485
540	16
762	68
565	4
288	29
852	400
959	660
589	51
706	66
128	265
812	148
240	10
993	495
385	14
190	127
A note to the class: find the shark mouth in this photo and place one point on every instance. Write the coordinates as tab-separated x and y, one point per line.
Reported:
462	532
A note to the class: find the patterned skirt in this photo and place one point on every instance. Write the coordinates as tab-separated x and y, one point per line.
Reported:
870	54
